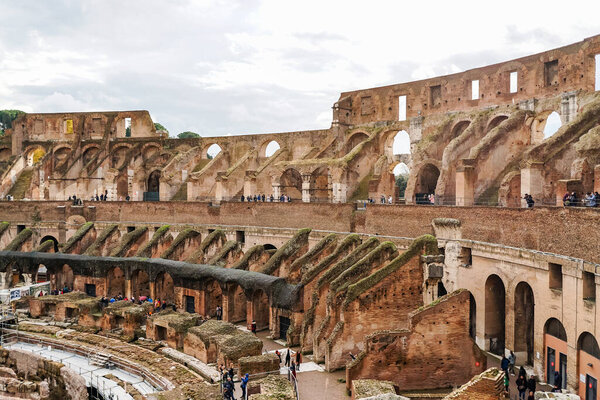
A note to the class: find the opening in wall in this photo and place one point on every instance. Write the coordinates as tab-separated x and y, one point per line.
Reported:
551	73
436	95
20	228
402	106
513	82
475	89
127	127
130	229
589	286
240	237
555	276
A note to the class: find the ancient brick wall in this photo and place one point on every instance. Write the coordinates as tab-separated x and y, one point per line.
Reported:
434	351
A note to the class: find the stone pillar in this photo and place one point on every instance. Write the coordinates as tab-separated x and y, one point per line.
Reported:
128	288
532	182
568	106
250	184
220	191
306	188
226	305
465	183
249	312
597	178
276	191
152	289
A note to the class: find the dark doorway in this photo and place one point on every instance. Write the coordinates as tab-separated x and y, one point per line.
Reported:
90	289
495	314
524	306
563	369
152	194
472	316
161	333
441	289
284	325
551	365
190	304
590	387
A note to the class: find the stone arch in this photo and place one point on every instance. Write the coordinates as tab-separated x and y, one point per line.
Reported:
164	288
495	121
426	182
552	125
54	240
211	150
119	156
269	246
149	150
588	343
60	154
34	154
153	181
269	148
140	283
472	316
213	297
554	327
495	314
320	187
260	309
588	357
88	153
291	183
353	140
539	123
236	304
115	282
524	322
5	154
459	127
400	143
509	193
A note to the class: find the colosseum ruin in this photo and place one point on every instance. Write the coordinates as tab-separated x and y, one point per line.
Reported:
417	296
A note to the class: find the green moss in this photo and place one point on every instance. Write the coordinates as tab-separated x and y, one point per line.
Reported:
201	164
94	249
185	234
426	243
370	387
19	240
221	256
180	322
239	344
289	249
362	190
146	249
45	247
253	252
198	255
181	194
302	262
337	329
19	189
349	241
212	328
127	241
79	234
3	227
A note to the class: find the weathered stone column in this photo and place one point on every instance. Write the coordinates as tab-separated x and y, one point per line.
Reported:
220	191
306	188
465	183
532	181
128	288
276	191
250	184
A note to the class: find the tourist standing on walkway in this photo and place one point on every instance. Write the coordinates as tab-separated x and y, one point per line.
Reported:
254	328
298	360
293	369
512	359
557	382
531	384
521	386
278	354
244	384
504	365
288	358
229	389
219	313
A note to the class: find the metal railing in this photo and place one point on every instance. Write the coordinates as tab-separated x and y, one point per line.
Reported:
294	382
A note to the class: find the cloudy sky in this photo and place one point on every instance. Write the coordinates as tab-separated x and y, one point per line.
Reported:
221	67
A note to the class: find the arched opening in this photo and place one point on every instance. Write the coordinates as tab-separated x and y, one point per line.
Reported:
319	185
495	314
237	304
213	298
119	157
460	128
115	284
164	288
212	151
271	148
122	187
496	121
555	352
42	274
291	183
140	284
401	144
354	140
154	182
150	152
64	278
54	241
472	316
88	155
61	155
401	175
34	156
524	309
269	248
588	358
553	124
16	277
426	183
260	309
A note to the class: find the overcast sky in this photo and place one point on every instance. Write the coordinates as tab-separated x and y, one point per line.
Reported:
251	66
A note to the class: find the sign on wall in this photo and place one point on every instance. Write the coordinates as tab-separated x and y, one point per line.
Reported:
69	126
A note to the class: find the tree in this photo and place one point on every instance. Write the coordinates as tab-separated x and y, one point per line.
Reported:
159	127
188	135
7	117
401	181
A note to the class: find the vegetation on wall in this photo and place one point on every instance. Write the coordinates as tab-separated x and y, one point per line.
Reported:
6	119
188	135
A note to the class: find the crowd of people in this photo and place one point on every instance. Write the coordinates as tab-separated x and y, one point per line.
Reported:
573	200
262	198
56	292
526	386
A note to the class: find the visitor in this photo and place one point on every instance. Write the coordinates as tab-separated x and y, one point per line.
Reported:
521	386
504	364
506	385
531	384
288	358
529	200
127	198
352	356
231	373
253	326
512	360
298	359
263	198
242	198
219	313
382	199
293	369
244	384
228	389
390	200
278	354
531	395
97	198
272	198
557	382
